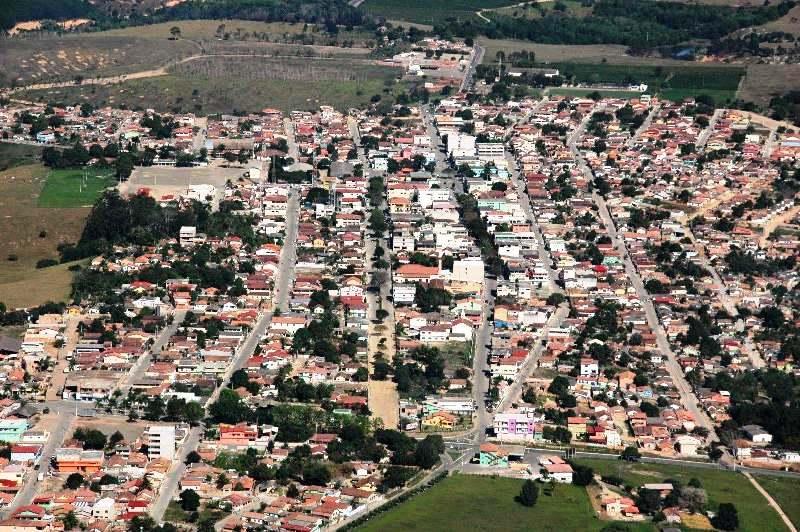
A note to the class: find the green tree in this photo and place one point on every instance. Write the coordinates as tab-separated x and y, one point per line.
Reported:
190	500
727	517
74	481
529	493
70	521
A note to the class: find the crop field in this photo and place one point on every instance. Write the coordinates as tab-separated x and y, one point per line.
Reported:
473	503
431	11
721	486
29	233
69	188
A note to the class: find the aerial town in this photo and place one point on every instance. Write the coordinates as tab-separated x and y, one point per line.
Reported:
303	321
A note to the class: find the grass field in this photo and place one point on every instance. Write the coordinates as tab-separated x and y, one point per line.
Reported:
430	11
582	93
224	91
30	233
786	492
70	188
473	503
12	155
755	514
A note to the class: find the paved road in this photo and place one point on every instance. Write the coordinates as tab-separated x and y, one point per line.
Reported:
26	494
138	370
688	398
288	126
477	57
514	392
480	363
285	275
703	137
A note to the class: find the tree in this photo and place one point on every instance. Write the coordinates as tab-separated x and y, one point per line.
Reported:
631	454
427	453
193	458
582	475
175	32
70	521
74	481
529	493
190	500
727	517
115	438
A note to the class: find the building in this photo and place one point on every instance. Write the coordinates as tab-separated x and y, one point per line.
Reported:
160	440
11	430
69	460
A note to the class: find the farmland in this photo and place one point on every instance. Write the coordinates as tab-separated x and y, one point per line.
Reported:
430	11
70	188
721	486
29	233
487	503
244	84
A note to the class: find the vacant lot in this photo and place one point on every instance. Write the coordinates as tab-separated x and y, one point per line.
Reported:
225	85
721	486
29	233
431	11
472	503
75	188
786	492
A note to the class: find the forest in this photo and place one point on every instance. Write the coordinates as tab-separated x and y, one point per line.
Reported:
639	24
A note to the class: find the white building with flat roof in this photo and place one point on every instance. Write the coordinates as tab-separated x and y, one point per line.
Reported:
160	440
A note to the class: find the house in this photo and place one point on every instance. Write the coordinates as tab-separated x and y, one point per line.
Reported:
492	455
687	445
561	473
757	434
441	420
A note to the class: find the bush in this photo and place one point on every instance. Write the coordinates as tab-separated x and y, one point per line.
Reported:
46	263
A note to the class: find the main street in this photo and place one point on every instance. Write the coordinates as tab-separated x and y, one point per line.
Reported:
688	398
287	262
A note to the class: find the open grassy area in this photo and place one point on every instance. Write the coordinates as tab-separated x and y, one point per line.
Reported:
70	188
242	85
431	11
12	155
582	92
29	233
786	492
755	514
472	503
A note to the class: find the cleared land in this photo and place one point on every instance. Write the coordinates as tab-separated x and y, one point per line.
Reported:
786	493
31	233
465	502
48	57
431	11
721	486
225	85
70	188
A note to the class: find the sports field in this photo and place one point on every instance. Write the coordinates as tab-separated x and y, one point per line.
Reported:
71	188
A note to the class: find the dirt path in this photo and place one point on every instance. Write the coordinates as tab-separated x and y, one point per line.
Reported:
775	222
772	502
